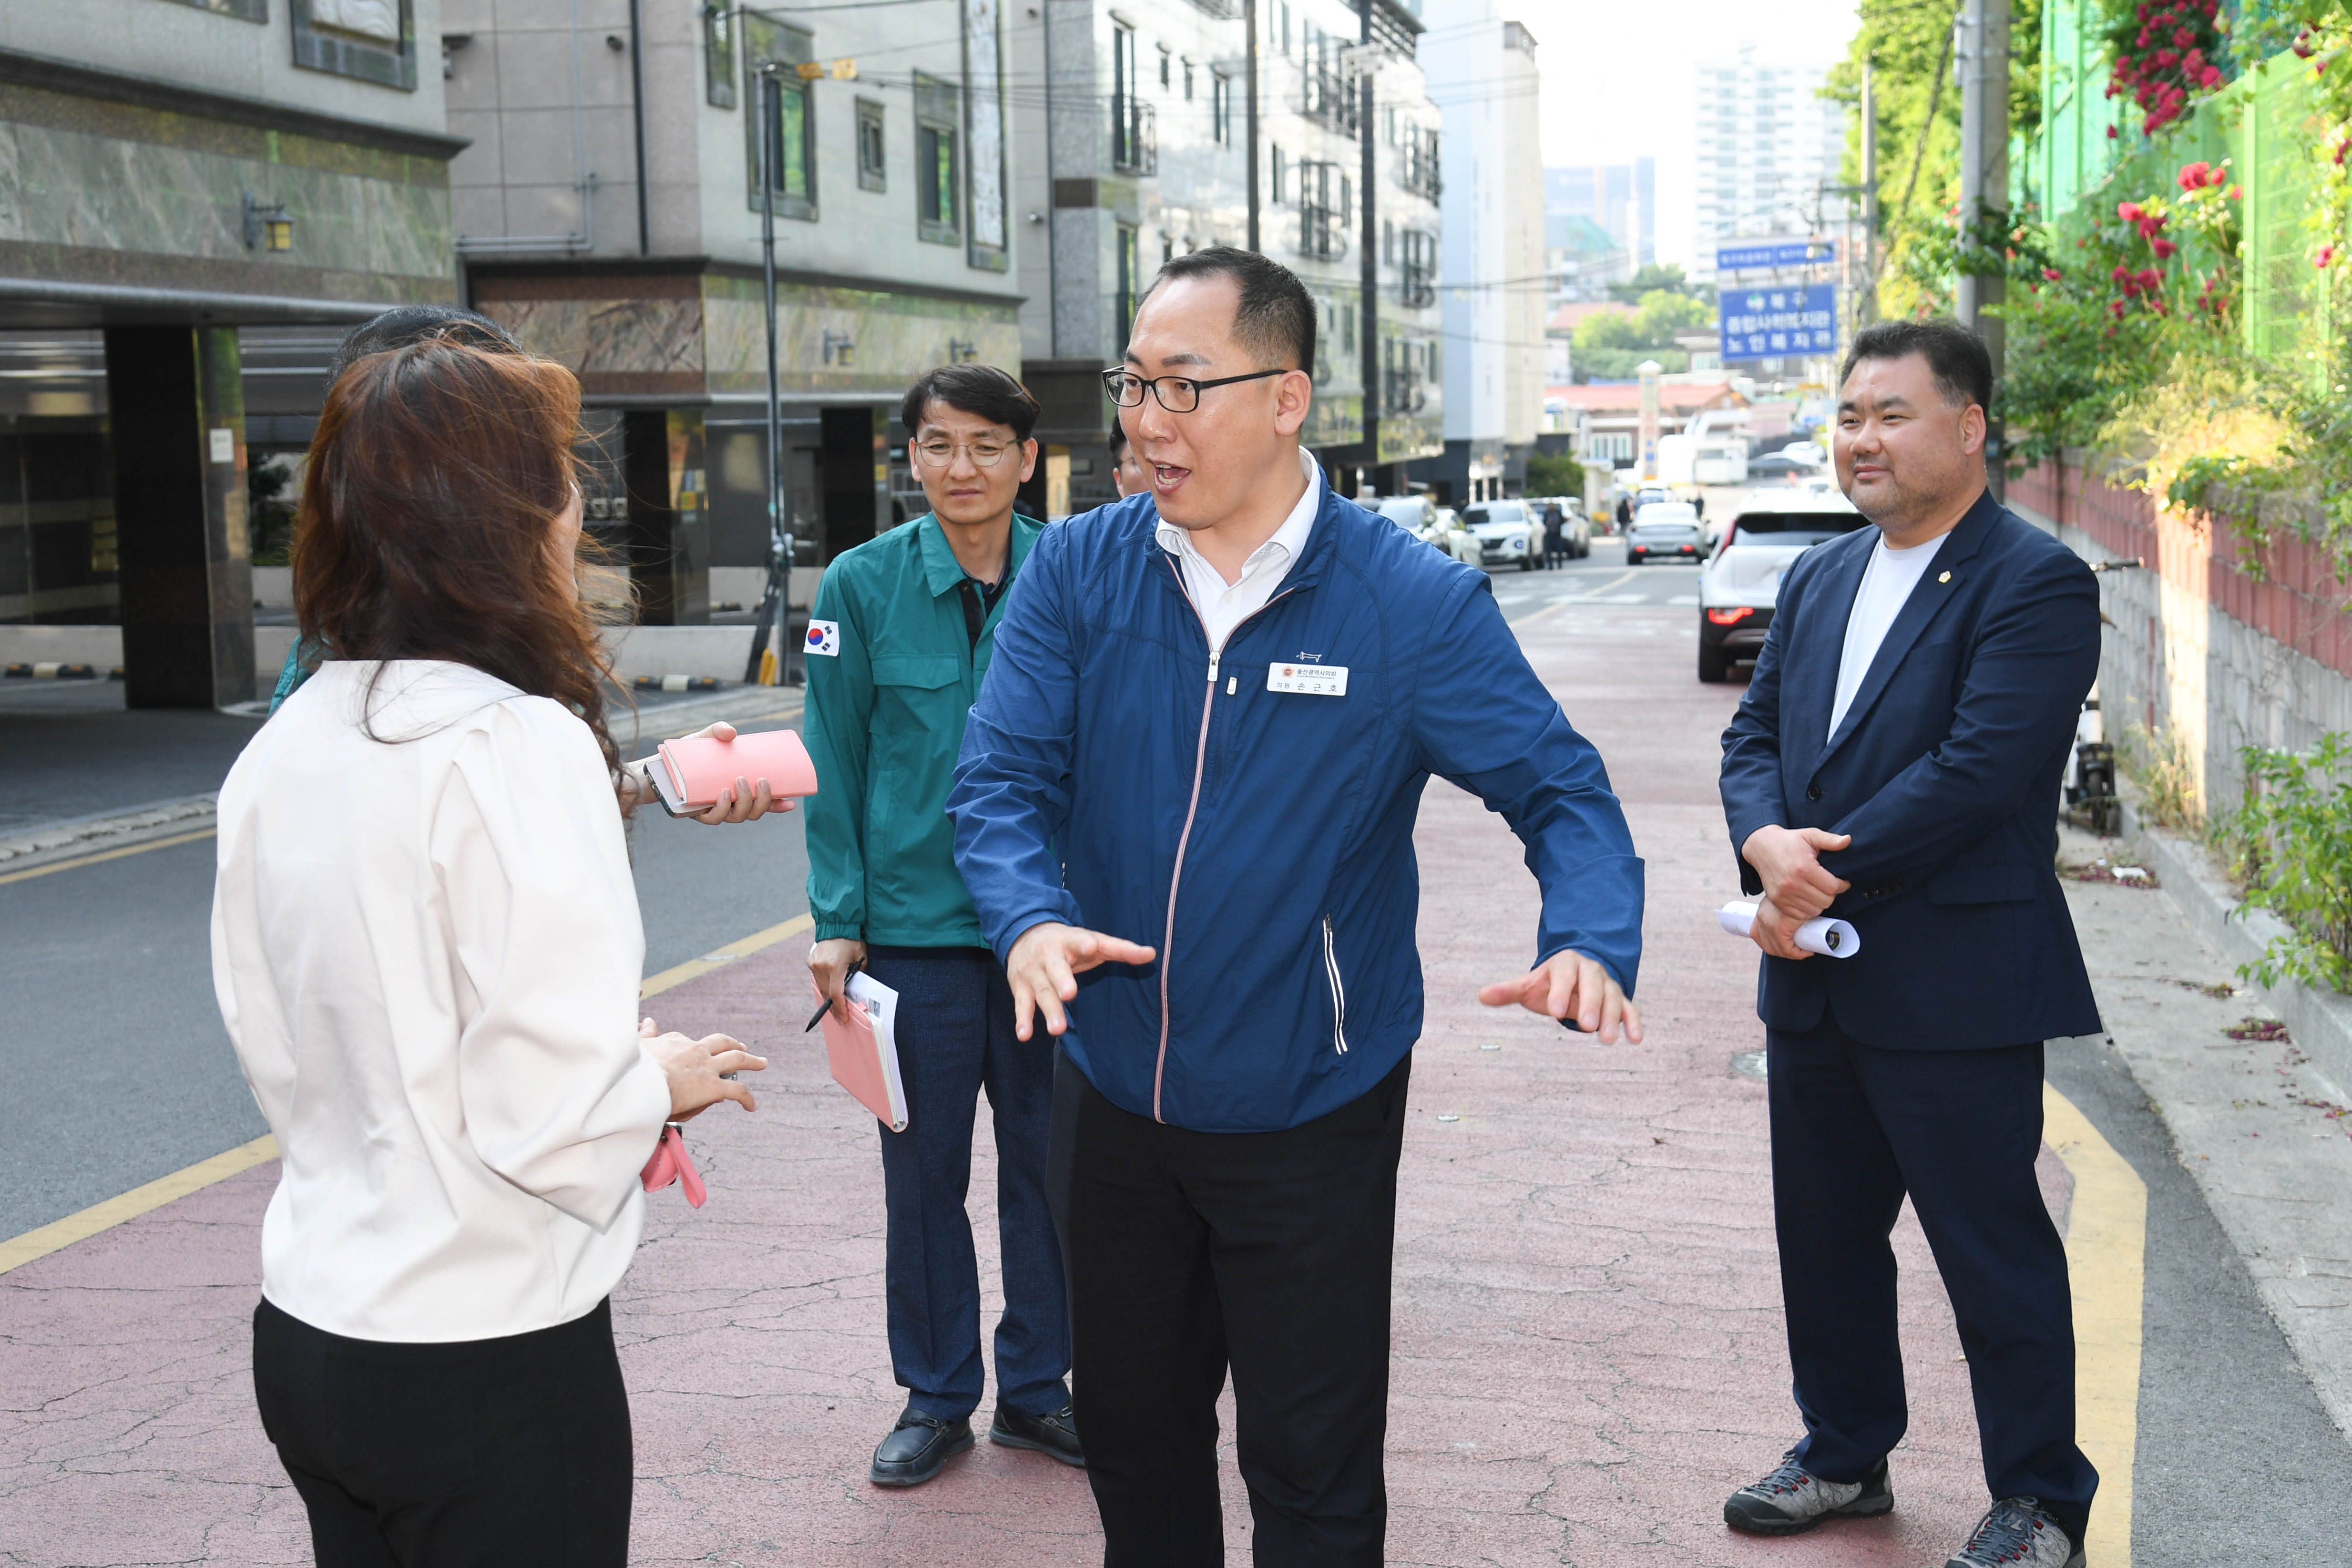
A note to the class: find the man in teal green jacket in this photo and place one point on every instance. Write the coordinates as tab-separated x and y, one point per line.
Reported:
899	640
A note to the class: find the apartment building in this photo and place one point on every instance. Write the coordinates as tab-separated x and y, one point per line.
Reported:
1483	74
184	176
1769	151
609	208
1140	148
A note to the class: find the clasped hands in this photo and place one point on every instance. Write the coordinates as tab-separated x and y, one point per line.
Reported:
1797	887
1046	960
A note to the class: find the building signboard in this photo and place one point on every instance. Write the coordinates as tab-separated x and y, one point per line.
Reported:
1779	323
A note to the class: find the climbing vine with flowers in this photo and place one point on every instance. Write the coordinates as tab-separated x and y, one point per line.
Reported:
2131	337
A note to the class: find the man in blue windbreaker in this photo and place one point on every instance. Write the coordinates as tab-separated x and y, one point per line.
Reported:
1191	777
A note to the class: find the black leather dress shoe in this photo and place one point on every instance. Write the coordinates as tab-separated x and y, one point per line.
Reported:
918	1448
1056	1435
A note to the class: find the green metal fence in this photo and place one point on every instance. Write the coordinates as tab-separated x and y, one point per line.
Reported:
2263	123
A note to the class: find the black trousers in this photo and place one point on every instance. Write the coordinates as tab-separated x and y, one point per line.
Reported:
511	1451
1855	1128
1265	1252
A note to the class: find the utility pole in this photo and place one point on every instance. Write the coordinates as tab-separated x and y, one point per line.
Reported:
1369	333
1865	310
775	660
1249	111
1984	185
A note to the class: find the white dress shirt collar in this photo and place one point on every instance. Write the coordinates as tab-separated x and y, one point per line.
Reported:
1225	605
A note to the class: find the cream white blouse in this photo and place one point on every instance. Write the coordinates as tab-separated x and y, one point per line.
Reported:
427	951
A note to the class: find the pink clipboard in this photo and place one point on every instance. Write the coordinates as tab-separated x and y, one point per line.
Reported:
863	1051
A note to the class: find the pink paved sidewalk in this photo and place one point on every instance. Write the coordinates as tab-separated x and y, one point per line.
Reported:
1589	1350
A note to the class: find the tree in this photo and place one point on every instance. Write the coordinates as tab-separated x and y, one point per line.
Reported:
1551	475
1916	87
1658	276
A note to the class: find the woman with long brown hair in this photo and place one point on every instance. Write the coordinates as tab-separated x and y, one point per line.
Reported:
427	948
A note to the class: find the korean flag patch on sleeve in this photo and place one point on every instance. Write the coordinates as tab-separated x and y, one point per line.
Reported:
825	638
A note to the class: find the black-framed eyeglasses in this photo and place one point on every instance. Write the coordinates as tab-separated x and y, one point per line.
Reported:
1177	393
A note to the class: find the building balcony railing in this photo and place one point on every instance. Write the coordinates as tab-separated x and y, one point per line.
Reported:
1134	136
1417	163
1418	291
1402	392
1322	232
1328	97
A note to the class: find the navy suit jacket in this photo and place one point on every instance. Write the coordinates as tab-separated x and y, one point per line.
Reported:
1946	770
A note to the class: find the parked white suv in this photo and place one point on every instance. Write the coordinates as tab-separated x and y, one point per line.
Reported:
1506	533
1741	585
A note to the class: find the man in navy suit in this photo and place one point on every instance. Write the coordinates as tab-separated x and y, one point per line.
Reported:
1896	763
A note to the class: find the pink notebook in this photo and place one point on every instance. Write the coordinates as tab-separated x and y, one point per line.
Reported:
863	1050
697	769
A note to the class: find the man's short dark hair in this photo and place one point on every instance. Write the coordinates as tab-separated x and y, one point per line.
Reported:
405	325
1117	441
1954	354
980	390
1275	321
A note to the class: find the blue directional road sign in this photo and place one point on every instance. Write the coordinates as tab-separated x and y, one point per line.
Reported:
1760	258
1777	324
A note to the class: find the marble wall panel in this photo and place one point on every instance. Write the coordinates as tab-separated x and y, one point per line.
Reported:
897	338
12	184
76	189
603	337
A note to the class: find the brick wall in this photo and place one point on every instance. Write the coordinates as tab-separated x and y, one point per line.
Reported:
2211	640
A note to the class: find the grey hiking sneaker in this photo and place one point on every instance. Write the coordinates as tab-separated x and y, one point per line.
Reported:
1792	1500
2017	1532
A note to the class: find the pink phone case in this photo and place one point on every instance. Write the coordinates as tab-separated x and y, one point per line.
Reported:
671	1162
702	768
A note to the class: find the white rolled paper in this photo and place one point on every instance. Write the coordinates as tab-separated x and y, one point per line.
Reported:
1831	939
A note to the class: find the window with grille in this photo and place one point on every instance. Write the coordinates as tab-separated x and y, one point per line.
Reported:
938	163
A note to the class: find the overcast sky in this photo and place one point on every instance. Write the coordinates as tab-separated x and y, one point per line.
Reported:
1618	77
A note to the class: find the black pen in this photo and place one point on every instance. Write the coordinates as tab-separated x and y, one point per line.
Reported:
818	1017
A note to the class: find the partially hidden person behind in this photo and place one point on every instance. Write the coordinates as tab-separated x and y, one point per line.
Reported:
902	633
1185	813
426	949
1125	468
1896	763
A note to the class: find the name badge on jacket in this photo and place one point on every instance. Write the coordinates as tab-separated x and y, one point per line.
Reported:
1309	680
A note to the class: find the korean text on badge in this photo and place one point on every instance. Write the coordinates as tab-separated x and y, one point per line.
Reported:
1309	680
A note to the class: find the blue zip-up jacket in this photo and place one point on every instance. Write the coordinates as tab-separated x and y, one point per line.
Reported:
1116	776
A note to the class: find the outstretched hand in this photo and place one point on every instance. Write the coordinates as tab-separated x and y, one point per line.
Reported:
1045	963
1569	985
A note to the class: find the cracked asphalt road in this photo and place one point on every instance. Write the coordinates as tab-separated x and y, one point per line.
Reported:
1588	1353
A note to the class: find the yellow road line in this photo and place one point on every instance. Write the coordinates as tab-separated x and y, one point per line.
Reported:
17	1251
107	854
678	974
2106	1237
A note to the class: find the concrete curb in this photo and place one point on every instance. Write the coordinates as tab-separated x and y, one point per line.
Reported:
2321	1024
54	841
661	720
